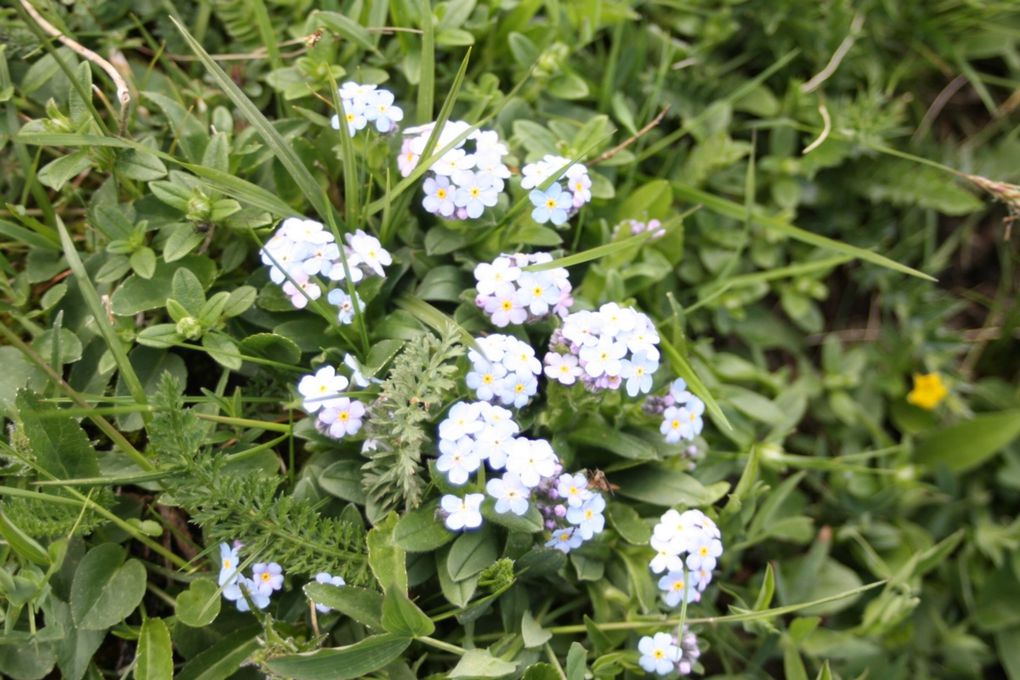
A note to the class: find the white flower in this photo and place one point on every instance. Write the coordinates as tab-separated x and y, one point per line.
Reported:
675	586
588	518
303	292
562	368
665	558
538	292
506	308
323	577
510	494
638	373
321	389
357	376
476	193
343	302
573	489
267	577
439	196
381	110
580	187
343	417
495	276
236	591
369	251
229	565
356	120
603	358
565	540
463	419
517	389
705	554
531	460
355	96
485	379
659	654
462	513
551	205
458	460
452	162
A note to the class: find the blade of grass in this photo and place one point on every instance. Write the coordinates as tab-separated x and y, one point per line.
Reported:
683	369
740	616
99	314
427	79
351	197
736	211
273	139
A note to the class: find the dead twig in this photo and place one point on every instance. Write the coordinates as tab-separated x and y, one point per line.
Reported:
123	92
633	138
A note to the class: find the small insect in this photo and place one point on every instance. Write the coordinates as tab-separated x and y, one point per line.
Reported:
597	480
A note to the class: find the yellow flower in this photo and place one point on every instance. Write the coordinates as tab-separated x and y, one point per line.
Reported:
928	391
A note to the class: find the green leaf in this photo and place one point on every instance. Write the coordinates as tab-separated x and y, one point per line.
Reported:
343	480
143	262
295	167
345	27
628	523
385	557
106	589
61	171
59	444
70	349
736	211
577	658
532	632
140	165
21	543
141	295
199	605
341	663
224	658
667	488
966	445
471	553
223	350
182	241
275	348
18	373
403	617
362	605
154	659
479	663
600	435
420	531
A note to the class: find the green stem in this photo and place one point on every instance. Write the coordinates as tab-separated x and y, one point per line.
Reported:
445	646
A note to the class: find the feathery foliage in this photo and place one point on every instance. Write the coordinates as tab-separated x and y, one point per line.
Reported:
422	377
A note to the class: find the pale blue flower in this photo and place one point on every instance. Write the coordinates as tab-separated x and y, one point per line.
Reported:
550	205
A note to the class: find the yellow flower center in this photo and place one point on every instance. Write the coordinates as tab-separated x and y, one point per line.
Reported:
350	117
518	388
507	305
487	379
550	203
659	654
679	585
227	564
344	416
475	191
265	576
675	424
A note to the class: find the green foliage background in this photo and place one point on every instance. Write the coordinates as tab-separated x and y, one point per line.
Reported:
839	178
